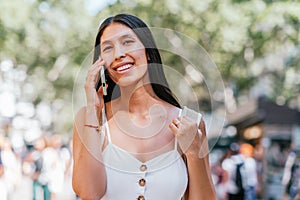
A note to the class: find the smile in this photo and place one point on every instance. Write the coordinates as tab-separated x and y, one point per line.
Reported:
124	67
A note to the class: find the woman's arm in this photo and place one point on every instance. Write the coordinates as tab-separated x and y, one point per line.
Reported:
200	180
194	145
89	176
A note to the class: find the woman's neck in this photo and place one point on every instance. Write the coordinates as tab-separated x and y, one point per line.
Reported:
137	100
138	109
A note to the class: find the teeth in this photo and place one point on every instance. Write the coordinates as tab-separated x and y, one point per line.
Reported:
123	67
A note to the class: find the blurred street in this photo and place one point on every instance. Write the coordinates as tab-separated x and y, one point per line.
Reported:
48	162
245	82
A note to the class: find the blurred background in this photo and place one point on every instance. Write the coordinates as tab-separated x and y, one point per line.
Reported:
255	45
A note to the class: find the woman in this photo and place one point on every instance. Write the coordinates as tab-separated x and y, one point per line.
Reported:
127	144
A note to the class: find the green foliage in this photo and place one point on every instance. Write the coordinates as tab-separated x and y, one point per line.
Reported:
249	40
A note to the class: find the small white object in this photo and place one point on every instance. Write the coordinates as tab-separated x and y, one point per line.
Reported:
191	114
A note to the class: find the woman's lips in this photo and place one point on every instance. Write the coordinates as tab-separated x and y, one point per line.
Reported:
123	68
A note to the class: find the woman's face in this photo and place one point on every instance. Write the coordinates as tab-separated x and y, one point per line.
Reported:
124	55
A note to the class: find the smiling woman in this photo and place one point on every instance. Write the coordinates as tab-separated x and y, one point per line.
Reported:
141	33
132	142
124	55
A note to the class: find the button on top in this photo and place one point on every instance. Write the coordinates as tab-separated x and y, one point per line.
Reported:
142	182
143	168
141	197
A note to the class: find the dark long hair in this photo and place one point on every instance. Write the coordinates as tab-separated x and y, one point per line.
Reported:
156	73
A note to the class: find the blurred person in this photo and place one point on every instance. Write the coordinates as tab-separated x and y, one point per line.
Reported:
69	172
276	156
235	168
60	184
12	167
241	168
291	175
259	156
54	165
26	188
40	174
67	192
128	143
221	177
3	189
250	171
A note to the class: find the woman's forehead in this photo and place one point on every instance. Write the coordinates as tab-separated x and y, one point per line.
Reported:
116	31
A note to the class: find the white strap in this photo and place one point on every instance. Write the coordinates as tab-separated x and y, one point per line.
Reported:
175	143
107	132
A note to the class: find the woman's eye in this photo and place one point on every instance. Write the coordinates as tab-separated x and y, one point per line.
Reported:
107	48
126	42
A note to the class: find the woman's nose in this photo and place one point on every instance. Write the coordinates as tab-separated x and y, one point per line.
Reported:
119	52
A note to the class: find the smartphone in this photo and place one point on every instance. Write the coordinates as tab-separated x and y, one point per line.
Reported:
101	81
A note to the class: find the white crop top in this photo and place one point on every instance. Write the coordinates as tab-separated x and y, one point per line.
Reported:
162	178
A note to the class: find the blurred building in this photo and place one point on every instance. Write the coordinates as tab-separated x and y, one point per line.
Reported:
263	118
273	130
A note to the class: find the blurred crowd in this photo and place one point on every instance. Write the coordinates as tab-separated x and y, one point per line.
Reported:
236	174
245	172
40	170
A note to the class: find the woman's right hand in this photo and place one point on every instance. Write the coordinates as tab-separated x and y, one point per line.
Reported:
94	98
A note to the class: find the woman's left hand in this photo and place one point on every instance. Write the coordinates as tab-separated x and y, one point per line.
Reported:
185	130
188	135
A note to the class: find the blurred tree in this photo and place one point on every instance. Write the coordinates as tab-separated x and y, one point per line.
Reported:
49	39
250	41
254	43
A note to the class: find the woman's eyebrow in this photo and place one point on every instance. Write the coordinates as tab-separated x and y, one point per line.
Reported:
105	42
127	36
